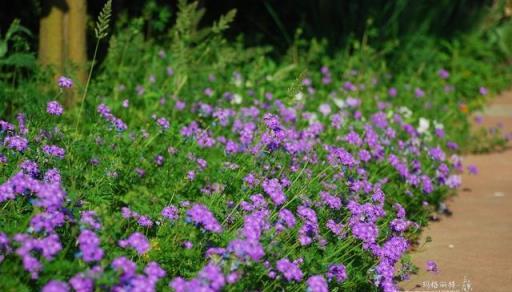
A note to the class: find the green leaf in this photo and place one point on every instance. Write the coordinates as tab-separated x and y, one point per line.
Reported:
3	48
26	60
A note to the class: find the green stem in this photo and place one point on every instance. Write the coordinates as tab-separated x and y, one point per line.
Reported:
87	84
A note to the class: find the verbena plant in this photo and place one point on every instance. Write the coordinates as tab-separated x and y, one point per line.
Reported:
200	165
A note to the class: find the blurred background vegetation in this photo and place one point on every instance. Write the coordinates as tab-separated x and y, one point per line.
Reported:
275	22
406	34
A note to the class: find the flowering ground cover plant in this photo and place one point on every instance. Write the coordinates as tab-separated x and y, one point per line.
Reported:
192	174
223	193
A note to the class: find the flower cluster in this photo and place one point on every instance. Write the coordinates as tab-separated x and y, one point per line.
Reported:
54	108
105	113
200	215
65	82
89	246
137	241
54	150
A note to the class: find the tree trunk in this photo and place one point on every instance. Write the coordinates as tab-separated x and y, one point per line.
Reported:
76	37
75	40
51	41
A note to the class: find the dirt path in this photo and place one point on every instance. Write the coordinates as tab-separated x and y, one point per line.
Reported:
473	247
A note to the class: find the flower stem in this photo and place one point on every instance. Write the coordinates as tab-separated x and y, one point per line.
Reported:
84	95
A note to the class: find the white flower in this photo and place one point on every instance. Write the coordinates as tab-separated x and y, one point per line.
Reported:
339	102
312	118
405	112
237	99
438	125
424	125
237	81
299	96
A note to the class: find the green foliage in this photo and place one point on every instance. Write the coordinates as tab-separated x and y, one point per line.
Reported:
17	63
14	50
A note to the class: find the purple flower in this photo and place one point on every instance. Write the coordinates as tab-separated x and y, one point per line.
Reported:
55	286
200	215
137	241
4	246
164	123
286	218
399	225
208	91
325	109
191	175
54	150
145	221
54	108
210	278
472	169
48	247
272	121
188	244
419	92
140	172
180	105
453	181
290	271
392	92
437	154
30	167
125	265
170	212
81	284
105	113
337	272
88	218
52	176
364	155
247	249
251	180
393	249
169	71
154	271
483	90
90	246
139	89
65	82
353	138
159	160
317	284
432	266
47	221
17	143
274	189
336	228
443	73
213	275
331	201
367	232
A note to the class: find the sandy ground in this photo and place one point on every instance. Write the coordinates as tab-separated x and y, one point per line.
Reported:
473	247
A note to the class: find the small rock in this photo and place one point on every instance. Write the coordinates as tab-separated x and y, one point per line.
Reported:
499	194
